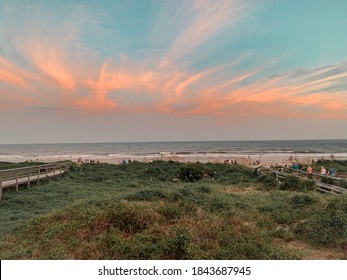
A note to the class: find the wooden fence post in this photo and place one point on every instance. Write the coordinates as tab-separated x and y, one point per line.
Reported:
0	185
16	180
29	177
38	175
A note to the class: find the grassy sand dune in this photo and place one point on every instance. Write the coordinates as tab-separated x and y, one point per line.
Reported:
169	210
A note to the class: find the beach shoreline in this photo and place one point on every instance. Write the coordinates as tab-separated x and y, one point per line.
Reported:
265	159
244	152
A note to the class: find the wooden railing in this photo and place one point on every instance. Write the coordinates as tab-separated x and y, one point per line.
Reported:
316	176
25	175
323	183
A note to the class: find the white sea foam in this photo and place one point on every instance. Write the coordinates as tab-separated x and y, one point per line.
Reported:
268	152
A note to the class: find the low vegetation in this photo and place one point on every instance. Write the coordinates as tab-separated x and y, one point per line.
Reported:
170	210
9	165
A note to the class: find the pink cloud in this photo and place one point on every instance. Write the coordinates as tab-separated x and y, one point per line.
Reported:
92	85
9	73
281	96
52	61
11	78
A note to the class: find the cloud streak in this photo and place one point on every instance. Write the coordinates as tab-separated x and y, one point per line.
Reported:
56	72
50	60
282	96
314	94
11	74
208	18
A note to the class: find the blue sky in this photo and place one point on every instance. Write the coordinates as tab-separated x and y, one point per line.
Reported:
84	71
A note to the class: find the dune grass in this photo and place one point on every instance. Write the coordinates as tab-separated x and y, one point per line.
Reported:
169	210
9	165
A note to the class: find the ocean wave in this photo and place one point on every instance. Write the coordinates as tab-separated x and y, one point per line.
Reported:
191	150
101	154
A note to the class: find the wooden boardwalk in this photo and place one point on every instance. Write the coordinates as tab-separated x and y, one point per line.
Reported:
26	175
332	188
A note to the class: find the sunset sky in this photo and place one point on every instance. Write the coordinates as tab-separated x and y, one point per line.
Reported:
170	70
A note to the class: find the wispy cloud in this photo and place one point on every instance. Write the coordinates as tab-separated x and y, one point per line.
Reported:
51	61
208	17
11	78
312	94
10	73
282	96
63	75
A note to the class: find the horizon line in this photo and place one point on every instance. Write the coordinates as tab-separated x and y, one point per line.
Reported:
177	141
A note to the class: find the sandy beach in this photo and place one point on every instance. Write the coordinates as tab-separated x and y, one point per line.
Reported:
265	159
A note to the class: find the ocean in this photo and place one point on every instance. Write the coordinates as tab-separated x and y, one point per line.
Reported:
268	151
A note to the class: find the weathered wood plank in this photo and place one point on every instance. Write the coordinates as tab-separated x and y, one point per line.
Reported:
32	178
19	176
0	186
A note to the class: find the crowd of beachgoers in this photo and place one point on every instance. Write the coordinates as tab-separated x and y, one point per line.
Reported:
268	160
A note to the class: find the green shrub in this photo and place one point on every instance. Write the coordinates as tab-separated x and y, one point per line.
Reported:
343	184
161	171
327	227
186	191
129	217
204	189
293	183
171	211
338	203
307	185
177	246
282	232
302	200
269	181
147	194
174	196
290	183
238	168
251	246
237	178
327	180
194	172
153	171
216	203
74	167
190	194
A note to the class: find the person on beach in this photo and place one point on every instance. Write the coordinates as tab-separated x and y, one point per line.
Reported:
309	172
309	169
295	166
323	171
331	171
